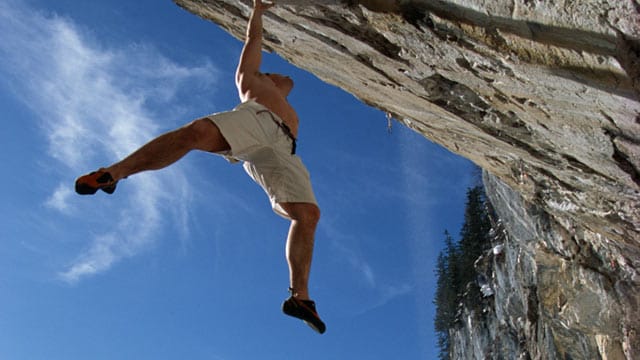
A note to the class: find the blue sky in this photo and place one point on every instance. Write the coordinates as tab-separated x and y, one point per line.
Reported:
188	262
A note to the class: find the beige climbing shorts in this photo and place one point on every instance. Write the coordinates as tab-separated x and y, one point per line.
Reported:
255	138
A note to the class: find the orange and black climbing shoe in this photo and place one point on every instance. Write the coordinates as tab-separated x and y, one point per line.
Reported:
304	310
98	180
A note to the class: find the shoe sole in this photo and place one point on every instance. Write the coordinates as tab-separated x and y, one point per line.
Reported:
313	327
85	189
293	309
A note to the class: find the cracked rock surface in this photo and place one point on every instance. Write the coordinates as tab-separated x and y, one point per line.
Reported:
554	296
543	95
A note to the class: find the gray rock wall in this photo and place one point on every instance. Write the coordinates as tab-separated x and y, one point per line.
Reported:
553	298
544	95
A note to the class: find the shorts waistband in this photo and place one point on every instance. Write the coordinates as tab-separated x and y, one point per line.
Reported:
259	109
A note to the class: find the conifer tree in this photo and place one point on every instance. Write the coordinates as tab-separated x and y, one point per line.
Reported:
474	236
448	293
455	267
441	321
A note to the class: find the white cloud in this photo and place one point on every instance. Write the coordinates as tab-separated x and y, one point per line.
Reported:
100	257
59	199
94	105
386	294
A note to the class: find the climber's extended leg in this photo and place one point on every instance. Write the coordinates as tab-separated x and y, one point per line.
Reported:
201	134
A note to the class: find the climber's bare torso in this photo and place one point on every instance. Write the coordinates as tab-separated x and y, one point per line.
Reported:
269	90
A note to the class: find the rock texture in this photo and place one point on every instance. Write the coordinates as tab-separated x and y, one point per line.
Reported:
548	300
544	95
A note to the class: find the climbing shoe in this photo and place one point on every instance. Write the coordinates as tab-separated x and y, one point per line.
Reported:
304	310
90	183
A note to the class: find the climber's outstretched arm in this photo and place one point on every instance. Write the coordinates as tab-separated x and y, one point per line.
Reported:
249	64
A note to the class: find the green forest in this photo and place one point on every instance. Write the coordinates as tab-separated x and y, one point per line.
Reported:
456	284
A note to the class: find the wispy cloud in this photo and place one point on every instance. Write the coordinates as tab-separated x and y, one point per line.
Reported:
356	261
59	200
95	105
379	291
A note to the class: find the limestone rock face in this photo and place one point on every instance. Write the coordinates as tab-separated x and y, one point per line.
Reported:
544	95
548	299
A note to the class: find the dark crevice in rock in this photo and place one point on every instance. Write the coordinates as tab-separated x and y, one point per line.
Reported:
414	15
385	47
622	159
271	38
456	98
462	101
546	185
532	305
624	162
325	39
628	55
448	33
366	60
583	168
363	33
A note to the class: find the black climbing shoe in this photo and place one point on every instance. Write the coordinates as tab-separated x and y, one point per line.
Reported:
304	310
98	180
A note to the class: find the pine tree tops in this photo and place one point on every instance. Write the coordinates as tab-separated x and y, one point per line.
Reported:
455	270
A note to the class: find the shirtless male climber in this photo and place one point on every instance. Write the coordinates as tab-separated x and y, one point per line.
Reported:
261	132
